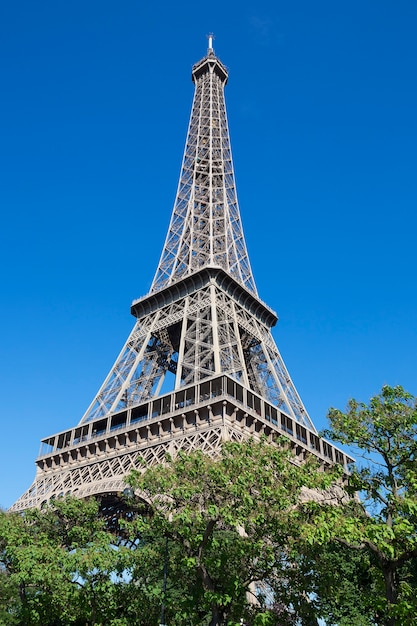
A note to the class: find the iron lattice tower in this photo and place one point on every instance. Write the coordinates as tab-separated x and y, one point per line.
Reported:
200	365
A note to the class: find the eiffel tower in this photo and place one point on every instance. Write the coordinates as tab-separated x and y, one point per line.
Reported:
200	366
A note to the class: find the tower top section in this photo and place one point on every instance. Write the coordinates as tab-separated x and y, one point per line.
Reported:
205	229
210	63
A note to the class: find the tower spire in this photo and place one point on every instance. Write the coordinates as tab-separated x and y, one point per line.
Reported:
210	38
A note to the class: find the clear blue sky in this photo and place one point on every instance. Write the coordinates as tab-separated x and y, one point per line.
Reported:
96	97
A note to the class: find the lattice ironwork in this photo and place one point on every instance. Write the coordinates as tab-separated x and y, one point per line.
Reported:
205	227
204	333
202	318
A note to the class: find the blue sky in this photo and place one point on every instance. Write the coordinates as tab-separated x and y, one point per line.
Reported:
96	98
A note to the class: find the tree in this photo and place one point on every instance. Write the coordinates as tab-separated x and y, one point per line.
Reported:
383	523
213	541
9	600
230	523
340	583
61	567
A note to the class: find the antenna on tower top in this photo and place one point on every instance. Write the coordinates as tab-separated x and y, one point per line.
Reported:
210	38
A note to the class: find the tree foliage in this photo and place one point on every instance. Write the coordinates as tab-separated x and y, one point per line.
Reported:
60	566
383	523
216	541
231	522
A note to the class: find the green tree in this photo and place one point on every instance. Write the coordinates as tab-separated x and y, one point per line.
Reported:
339	581
229	523
9	599
383	523
61	567
232	535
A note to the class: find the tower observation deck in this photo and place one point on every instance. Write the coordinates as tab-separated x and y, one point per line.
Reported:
200	366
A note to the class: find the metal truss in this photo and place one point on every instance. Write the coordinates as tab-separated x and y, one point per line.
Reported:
107	475
204	333
207	331
202	318
205	228
94	459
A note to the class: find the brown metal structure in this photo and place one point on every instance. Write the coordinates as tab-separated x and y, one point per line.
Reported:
200	366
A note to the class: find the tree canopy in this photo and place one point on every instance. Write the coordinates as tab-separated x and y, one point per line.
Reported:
382	523
233	520
236	538
59	566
